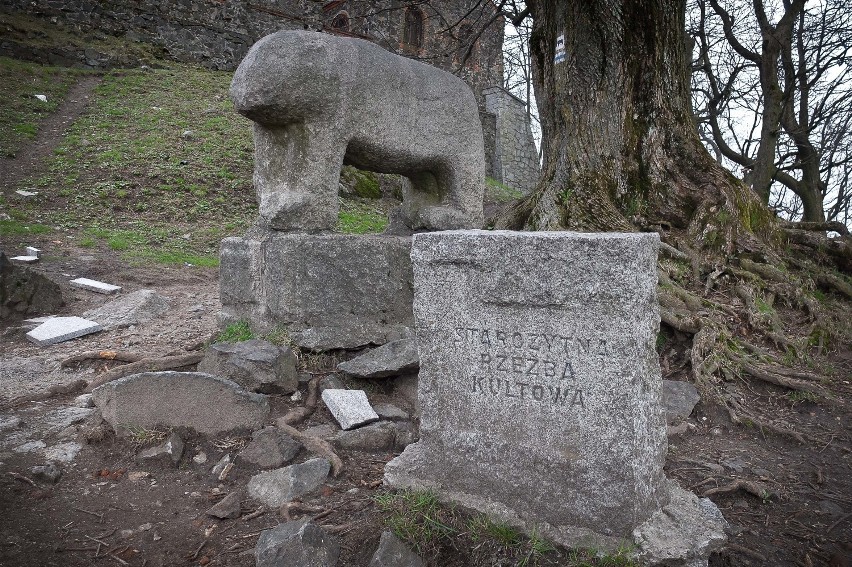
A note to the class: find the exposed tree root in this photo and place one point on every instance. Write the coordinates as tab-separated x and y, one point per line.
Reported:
301	413
101	355
314	445
145	365
755	488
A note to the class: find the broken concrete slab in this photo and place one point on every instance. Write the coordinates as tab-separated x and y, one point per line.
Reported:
94	285
296	543
25	259
23	193
256	365
131	309
274	488
60	329
391	359
349	407
31	251
205	403
679	399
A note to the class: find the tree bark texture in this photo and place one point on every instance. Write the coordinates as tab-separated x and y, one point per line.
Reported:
623	150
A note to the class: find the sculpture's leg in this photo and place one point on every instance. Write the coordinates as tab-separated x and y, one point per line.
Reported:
450	199
296	176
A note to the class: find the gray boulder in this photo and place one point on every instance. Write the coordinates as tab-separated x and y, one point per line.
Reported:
393	553
331	93
296	543
256	365
391	359
274	488
374	437
270	448
679	399
205	403
131	309
25	291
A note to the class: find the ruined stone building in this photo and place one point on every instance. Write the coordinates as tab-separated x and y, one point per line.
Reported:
218	33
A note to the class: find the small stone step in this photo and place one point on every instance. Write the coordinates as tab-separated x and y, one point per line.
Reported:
94	285
60	329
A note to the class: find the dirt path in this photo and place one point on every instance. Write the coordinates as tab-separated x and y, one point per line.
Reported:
31	159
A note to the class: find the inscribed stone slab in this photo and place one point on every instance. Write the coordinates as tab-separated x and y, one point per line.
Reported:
59	329
539	383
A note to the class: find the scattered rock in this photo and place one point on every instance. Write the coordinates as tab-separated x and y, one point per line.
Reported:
390	412
30	447
61	418
375	437
220	466
256	365
200	458
171	450
406	434
136	476
406	388
296	543
349	407
60	329
131	309
270	448
677	430
683	533
228	508
64	452
679	399
736	464
393	553
274	488
331	382
205	403
48	473
391	359
84	401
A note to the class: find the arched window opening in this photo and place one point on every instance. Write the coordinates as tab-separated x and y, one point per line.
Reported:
340	22
413	33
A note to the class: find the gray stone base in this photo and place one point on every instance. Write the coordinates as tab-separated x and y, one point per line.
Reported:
329	290
683	533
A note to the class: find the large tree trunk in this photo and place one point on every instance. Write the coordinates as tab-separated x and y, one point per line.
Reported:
623	151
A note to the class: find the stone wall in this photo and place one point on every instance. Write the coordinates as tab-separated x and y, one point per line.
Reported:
515	158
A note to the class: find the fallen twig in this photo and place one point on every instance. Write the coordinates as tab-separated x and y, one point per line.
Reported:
95	514
337	529
198	550
314	445
746	551
58	389
255	514
838	522
754	488
145	365
23	478
101	355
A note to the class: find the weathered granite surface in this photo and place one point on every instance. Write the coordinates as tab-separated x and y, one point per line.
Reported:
319	101
297	542
539	384
256	365
329	290
207	404
391	359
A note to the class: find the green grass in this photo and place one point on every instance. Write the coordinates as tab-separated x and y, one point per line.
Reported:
19	83
13	227
359	218
235	332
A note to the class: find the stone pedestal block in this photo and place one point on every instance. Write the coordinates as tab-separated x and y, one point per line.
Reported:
540	389
329	290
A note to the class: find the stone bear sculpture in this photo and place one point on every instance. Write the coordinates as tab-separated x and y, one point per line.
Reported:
320	101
